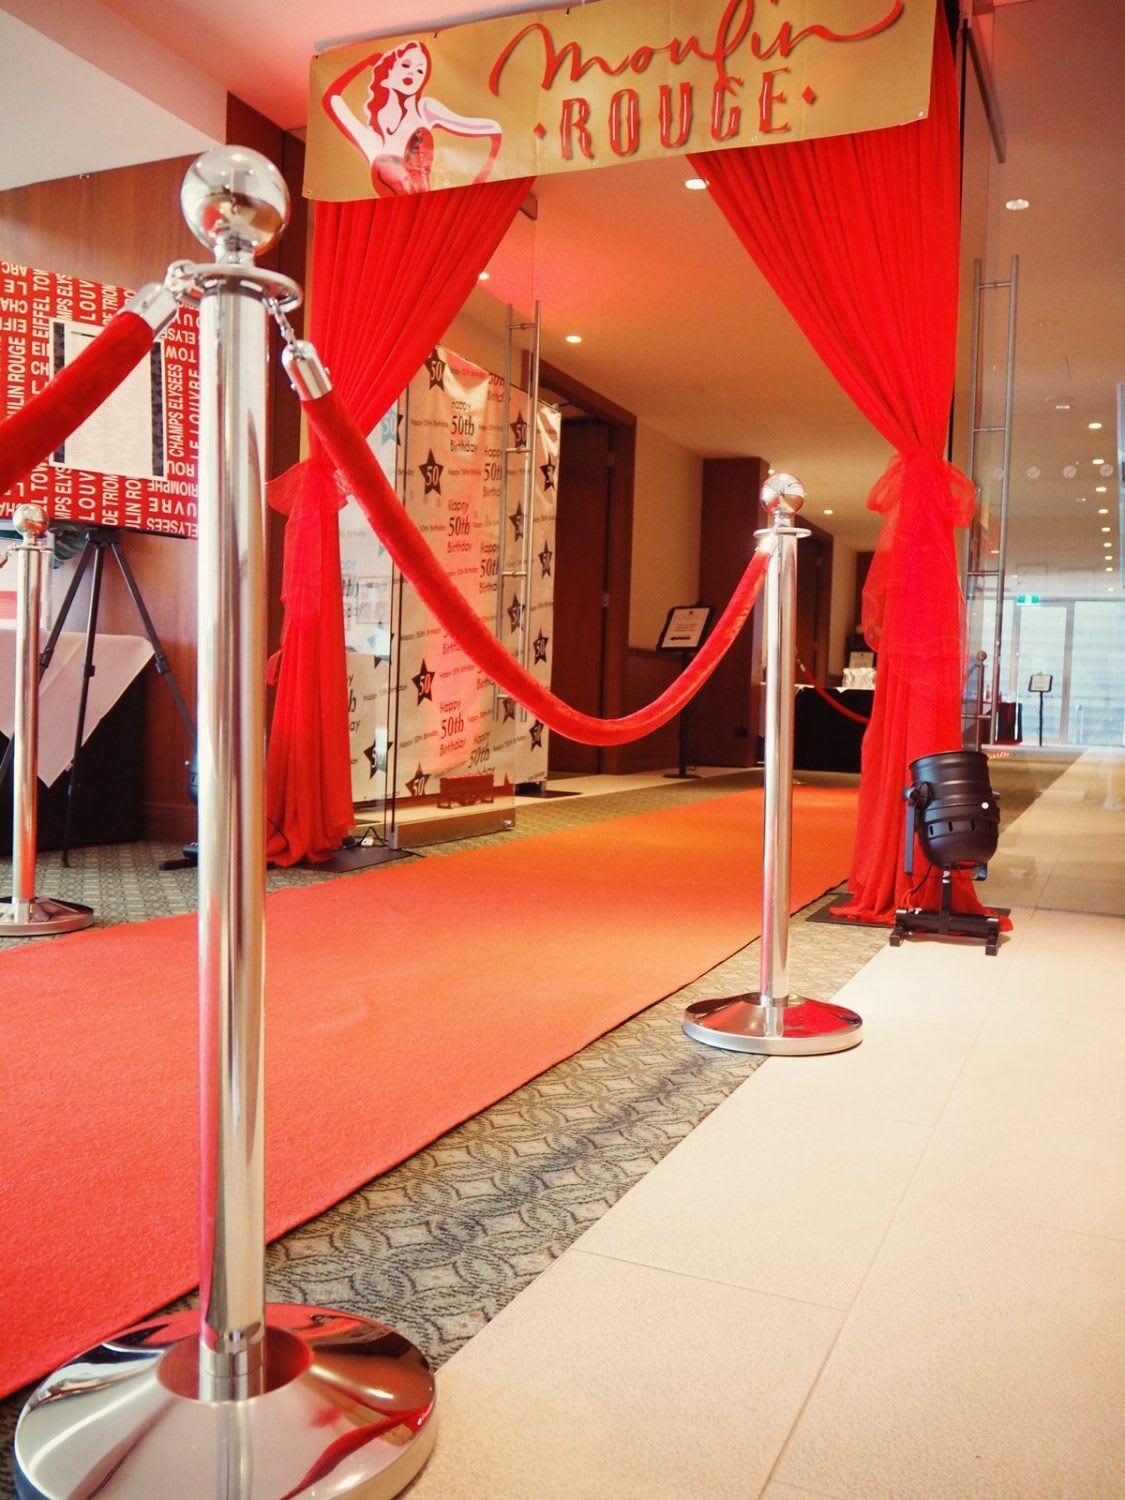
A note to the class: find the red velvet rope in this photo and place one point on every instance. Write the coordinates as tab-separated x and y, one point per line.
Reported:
828	698
355	462
46	421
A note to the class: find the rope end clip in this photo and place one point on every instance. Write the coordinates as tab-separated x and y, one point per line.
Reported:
157	304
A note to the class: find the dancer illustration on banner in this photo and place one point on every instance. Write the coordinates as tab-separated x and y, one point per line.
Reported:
397	136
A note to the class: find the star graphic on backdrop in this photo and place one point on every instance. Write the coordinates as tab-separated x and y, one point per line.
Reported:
390	428
381	633
376	758
435	368
545	559
424	682
548	472
540	644
515	613
517	521
416	786
509	708
431	472
519	431
536	732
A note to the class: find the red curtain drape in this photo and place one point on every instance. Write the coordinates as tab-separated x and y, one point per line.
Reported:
388	276
859	237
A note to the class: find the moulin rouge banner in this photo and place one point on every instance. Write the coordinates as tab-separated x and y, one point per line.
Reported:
623	80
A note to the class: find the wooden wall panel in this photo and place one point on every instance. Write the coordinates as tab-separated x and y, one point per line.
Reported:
124	227
723	729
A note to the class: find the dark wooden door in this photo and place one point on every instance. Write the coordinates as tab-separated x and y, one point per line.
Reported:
814	576
581	552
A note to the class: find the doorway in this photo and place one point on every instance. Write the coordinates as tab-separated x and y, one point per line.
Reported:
593	549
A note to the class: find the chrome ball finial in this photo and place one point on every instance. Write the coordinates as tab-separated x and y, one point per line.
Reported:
30	521
235	201
783	494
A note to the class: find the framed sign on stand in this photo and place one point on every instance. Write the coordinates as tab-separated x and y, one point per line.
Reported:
684	631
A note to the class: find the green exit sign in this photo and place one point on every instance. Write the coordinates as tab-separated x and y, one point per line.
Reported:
1027	598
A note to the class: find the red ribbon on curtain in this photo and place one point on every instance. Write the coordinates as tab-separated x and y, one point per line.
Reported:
388	277
859	236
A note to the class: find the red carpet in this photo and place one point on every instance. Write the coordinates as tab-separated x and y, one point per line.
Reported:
401	1002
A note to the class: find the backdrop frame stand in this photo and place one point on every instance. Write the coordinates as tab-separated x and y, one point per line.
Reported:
23	914
99	541
771	1020
239	1397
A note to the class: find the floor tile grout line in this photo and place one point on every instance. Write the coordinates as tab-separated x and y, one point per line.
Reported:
892	1221
735	1286
1017	1220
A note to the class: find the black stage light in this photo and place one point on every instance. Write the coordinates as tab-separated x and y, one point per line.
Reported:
954	812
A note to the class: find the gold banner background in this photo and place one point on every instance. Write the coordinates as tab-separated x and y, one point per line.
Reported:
830	87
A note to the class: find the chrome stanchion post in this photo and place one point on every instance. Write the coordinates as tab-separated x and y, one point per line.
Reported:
770	1020
23	914
241	1400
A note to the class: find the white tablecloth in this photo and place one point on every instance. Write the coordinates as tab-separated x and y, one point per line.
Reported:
117	660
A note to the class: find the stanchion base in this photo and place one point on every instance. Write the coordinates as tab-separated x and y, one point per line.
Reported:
800	1028
348	1411
45	918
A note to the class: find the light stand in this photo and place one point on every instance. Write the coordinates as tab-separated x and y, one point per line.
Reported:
238	1400
23	914
951	807
770	1020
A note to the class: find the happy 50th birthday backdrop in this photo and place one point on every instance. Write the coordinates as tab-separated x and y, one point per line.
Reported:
420	709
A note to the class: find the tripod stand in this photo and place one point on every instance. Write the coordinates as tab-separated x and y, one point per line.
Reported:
99	541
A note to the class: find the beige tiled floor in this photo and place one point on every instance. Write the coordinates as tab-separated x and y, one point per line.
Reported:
893	1274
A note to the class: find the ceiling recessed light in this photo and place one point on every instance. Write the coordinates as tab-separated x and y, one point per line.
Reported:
1097	460
1034	472
1104	528
1109	570
1070	472
1107	544
574	338
771	471
1103	510
829	512
485	276
695	184
1063	405
1017	205
1094	426
1099	489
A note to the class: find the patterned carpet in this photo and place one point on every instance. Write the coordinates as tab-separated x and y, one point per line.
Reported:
439	1245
